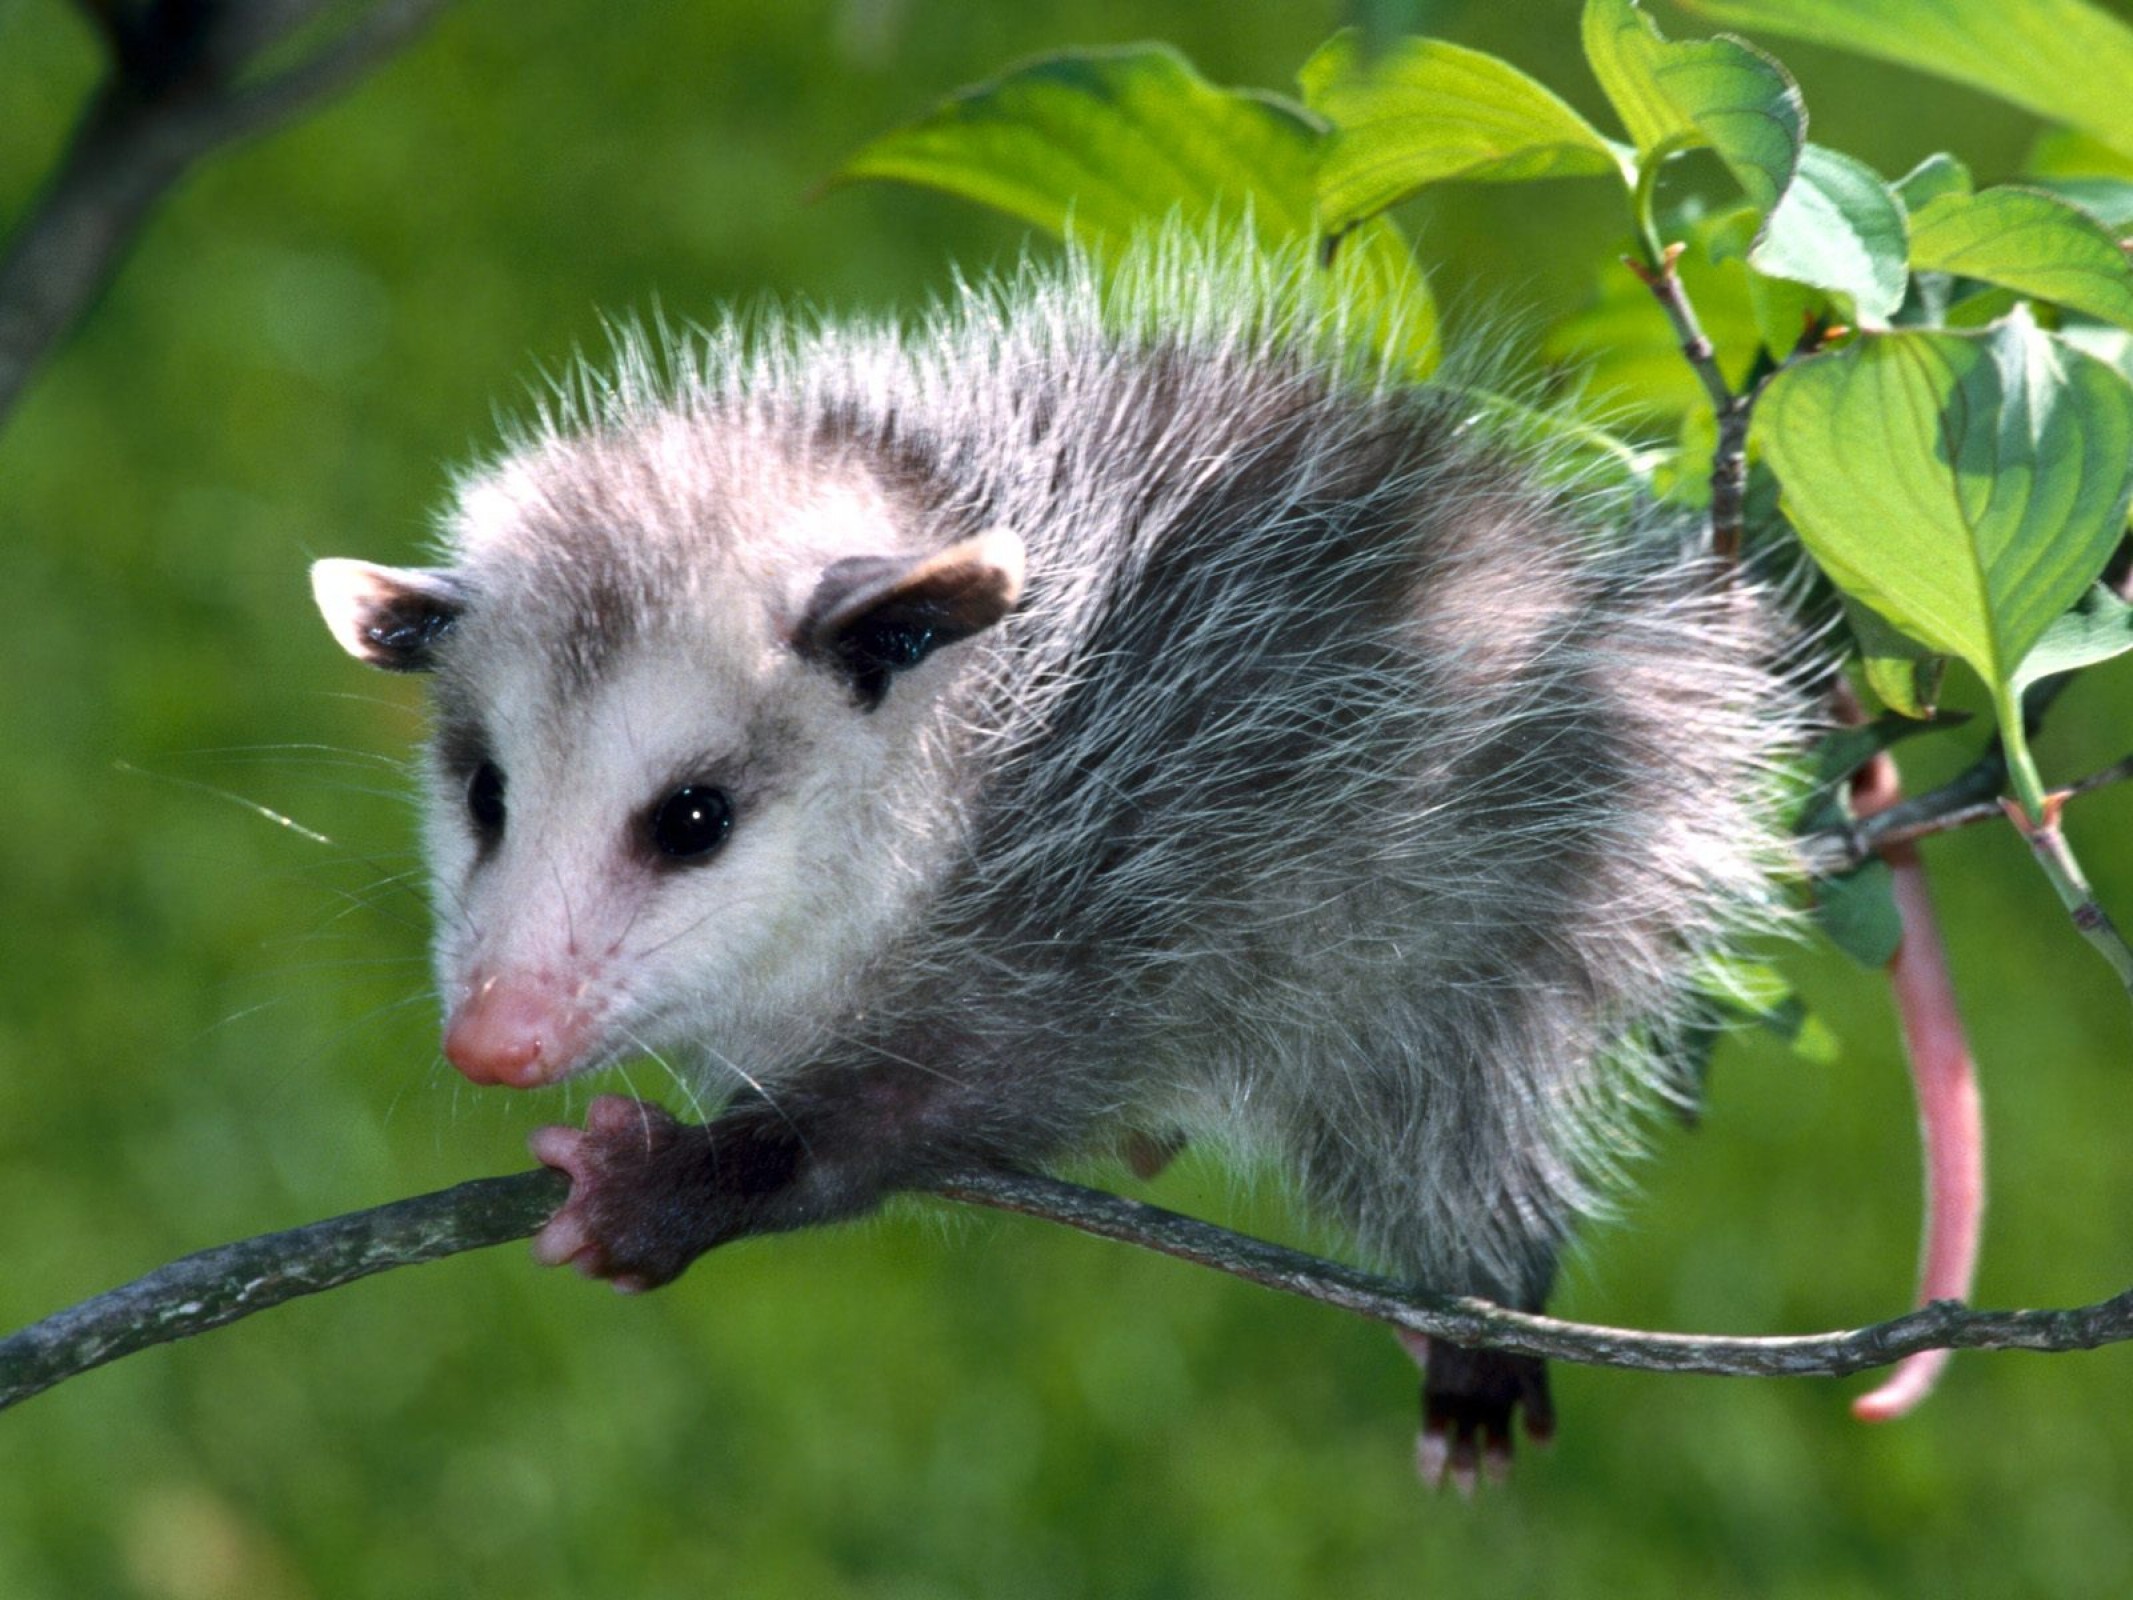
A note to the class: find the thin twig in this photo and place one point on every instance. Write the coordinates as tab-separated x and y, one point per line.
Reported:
219	1286
1729	461
177	89
1971	797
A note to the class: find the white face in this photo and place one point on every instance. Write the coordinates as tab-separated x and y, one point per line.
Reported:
682	785
682	856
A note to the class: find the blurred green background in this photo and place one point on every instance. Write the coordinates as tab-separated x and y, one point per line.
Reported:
212	1026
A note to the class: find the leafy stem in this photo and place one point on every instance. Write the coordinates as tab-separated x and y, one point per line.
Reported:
1643	196
2036	814
2021	767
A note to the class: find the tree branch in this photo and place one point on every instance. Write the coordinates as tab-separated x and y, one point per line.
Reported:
214	1287
220	1286
1971	797
1729	460
177	89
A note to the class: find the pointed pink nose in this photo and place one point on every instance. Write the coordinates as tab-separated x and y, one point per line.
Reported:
516	1029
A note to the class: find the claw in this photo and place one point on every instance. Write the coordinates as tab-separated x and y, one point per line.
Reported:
1465	1471
1496	1458
565	1238
555	1146
614	1113
1433	1454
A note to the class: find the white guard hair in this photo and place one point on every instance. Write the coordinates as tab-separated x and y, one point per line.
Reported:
1337	791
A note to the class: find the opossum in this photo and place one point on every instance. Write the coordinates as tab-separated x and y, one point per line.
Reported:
1096	716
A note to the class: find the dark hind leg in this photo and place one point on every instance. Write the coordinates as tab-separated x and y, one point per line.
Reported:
1447	1193
1471	1400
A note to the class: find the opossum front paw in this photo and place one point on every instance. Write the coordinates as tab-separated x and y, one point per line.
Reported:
1469	1400
626	1218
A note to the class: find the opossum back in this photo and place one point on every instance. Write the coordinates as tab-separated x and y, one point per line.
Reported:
1376	791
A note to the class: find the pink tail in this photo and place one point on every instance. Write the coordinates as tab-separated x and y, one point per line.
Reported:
1951	1123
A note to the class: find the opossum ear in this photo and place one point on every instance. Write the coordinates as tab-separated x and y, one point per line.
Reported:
387	616
872	616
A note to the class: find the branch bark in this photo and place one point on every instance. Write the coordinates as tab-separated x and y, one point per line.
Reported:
1971	797
220	1286
181	84
1729	460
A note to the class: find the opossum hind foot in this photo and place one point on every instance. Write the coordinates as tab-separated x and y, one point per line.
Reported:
1469	1401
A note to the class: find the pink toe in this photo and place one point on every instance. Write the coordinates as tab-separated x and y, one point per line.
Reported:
560	1241
613	1113
554	1146
1496	1463
1433	1453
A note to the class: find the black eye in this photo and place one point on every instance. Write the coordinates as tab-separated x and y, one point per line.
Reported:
485	798
692	821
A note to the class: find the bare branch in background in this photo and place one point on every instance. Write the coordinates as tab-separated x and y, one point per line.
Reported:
1971	797
185	78
220	1286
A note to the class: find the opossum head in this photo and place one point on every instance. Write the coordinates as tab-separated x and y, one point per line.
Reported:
682	772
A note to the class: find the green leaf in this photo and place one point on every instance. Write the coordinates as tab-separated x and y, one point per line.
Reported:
1781	309
2028	241
1751	991
1622	46
2093	176
2112	346
2099	627
1723	93
1843	751
1981	309
1381	284
1818	797
2068	153
1939	174
1108	143
2063	59
1566	449
1904	673
1112	139
2108	200
1856	912
1426	112
1968	487
1839	228
1814	792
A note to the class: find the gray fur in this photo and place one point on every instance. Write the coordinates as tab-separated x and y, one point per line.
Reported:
1337	792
